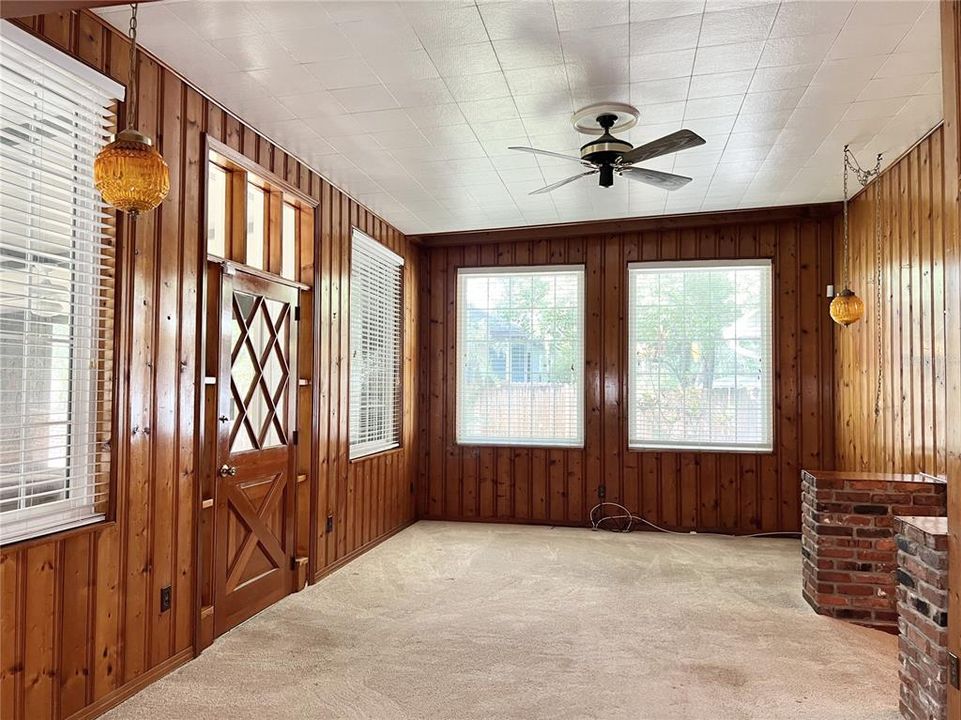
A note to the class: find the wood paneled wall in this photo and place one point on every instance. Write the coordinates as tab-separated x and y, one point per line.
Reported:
910	432
80	625
704	491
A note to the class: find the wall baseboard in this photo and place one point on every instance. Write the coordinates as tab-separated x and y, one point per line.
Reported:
338	564
112	699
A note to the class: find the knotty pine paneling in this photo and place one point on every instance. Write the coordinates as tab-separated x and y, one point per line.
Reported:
80	626
910	433
705	491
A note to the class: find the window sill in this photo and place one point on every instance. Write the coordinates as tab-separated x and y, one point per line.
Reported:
703	450
57	536
517	446
377	454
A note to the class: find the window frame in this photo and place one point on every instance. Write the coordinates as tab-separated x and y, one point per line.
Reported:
241	172
102	407
580	442
366	450
733	449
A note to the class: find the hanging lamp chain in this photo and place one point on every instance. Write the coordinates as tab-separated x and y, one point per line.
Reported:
878	295
132	90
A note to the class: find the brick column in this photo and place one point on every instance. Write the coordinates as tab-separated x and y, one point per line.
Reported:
847	540
923	616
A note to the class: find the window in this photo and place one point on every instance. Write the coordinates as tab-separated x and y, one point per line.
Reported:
56	291
288	255
255	226
253	216
216	210
700	371
520	356
376	301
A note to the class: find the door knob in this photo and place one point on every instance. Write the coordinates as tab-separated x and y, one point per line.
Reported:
227	471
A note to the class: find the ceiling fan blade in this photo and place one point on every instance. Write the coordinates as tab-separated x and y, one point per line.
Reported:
675	142
559	183
535	151
662	180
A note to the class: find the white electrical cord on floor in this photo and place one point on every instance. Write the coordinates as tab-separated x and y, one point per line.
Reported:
632	518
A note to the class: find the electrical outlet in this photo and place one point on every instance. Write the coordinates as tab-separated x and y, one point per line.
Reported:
602	491
330	523
165	598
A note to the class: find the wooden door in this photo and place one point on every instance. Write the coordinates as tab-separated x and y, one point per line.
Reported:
256	419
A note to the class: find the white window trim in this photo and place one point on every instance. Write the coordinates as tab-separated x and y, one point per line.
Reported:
76	508
374	248
579	440
765	448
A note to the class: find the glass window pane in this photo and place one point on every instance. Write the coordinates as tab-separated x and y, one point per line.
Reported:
520	371
216	210
288	254
700	372
256	205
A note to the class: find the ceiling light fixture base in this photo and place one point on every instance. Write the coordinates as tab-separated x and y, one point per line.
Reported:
585	120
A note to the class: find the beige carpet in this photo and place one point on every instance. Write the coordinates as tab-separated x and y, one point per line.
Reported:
466	621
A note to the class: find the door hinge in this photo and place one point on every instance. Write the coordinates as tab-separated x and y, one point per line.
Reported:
297	313
296	436
953	672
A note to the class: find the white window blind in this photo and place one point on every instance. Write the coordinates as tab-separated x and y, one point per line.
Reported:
56	295
520	356
700	370
376	327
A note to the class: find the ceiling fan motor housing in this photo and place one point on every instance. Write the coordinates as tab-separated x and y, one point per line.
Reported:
605	150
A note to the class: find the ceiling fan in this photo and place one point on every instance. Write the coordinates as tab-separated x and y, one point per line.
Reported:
607	155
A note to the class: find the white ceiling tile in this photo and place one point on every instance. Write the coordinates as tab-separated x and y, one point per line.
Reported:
712	107
660	91
336	73
253	52
485	86
665	34
731	83
520	53
445	26
470	59
911	63
429	117
537	80
209	22
544	104
380	37
662	66
810	18
363	99
608	70
311	44
288	80
734	26
479	111
782	78
775	100
728	58
887	12
861	40
655	9
417	93
412	106
796	50
593	43
526	20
